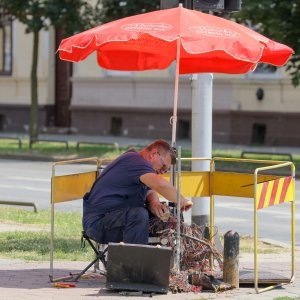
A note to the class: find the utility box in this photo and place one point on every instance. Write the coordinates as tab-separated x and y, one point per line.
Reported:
138	267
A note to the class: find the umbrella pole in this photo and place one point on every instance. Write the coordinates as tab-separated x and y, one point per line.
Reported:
174	117
174	123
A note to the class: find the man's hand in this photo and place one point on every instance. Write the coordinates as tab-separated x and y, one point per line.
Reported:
185	205
160	210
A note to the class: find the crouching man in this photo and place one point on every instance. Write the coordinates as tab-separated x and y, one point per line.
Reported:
115	210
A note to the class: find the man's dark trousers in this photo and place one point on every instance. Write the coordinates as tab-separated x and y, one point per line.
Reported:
128	225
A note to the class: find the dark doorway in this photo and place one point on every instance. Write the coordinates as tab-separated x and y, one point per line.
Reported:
184	128
2	120
258	134
116	126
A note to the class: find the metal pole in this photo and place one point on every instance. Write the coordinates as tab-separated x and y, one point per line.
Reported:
52	224
293	224
201	137
174	117
177	263
20	203
255	233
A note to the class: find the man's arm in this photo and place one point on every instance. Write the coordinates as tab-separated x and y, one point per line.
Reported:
165	188
159	209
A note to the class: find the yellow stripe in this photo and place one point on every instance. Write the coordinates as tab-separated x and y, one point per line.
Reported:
279	189
290	193
268	194
258	192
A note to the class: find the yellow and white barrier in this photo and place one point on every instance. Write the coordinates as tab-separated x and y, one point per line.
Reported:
265	190
67	188
270	193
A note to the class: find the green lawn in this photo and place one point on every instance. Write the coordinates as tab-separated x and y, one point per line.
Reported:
286	298
34	242
35	245
57	149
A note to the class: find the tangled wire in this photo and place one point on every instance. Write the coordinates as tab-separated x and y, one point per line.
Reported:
196	251
197	254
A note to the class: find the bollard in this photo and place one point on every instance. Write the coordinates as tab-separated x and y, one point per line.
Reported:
231	258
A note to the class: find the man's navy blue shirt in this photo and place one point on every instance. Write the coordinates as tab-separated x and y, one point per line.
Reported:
119	187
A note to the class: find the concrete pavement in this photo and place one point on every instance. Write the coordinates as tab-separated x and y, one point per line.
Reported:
29	281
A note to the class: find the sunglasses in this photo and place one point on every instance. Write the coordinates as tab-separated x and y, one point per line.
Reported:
164	168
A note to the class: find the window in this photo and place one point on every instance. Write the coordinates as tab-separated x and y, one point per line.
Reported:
5	46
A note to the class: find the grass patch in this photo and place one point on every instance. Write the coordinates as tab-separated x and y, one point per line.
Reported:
286	298
58	149
35	245
30	245
247	246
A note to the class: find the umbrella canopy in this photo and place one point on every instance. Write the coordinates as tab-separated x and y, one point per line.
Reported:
199	42
149	41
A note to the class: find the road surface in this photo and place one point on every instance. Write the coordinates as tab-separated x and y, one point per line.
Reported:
30	181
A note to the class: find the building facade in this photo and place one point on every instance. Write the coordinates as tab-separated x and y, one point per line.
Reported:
257	108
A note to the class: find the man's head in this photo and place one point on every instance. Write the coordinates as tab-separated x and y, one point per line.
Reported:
161	155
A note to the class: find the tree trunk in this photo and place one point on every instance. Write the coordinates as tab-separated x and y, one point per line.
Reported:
33	130
63	87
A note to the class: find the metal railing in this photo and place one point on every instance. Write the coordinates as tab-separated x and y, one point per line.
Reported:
20	203
19	141
35	141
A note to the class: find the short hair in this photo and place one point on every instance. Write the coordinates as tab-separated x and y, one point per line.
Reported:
163	146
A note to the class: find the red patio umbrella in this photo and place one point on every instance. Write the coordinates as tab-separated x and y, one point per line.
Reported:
199	42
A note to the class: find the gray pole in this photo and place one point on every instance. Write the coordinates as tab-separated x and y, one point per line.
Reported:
201	137
178	244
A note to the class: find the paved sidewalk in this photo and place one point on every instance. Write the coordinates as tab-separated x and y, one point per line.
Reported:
29	281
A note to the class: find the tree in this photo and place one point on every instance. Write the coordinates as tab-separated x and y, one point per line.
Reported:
278	20
69	15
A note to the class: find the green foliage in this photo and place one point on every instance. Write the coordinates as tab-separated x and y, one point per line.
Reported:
116	9
68	16
72	16
278	20
29	12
